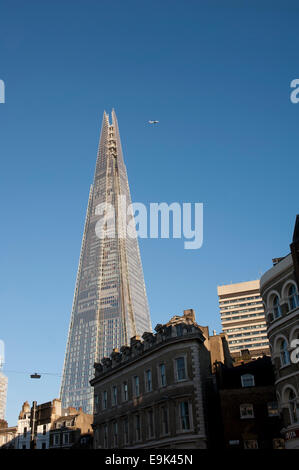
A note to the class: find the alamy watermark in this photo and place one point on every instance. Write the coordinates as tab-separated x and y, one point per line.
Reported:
133	220
294	96
2	92
294	356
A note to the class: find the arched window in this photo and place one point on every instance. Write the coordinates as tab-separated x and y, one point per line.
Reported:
293	297
284	353
276	307
293	405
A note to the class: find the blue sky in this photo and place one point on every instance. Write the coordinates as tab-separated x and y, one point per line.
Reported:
217	76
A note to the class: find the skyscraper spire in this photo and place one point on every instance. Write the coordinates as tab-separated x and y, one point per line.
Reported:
110	303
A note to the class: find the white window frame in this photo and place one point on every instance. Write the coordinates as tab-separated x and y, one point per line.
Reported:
190	416
246	416
105	400
125	398
160	375
148	390
245	377
113	395
136	395
180	356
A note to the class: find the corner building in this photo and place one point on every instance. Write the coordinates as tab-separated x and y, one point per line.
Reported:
279	288
157	392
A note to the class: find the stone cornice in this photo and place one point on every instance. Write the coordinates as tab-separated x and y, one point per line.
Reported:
140	350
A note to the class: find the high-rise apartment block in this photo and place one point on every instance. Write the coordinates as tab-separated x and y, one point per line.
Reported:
243	318
110	303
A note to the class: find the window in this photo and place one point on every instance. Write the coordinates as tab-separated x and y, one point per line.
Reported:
246	411
278	444
126	430
293	406
115	433
66	438
179	330
44	429
164	420
276	307
250	444
272	408
105	399
125	391
150	423
180	368
25	432
184	415
148	380
137	428
96	403
114	395
247	380
136	386
105	429
284	353
293	297
56	439
162	375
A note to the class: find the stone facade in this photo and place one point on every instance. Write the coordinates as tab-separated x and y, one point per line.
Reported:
279	289
154	394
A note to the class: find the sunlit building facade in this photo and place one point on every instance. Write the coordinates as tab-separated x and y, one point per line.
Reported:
110	303
243	318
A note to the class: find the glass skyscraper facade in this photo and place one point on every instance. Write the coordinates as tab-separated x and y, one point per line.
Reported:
110	303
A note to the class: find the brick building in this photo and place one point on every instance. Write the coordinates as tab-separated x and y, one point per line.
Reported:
249	409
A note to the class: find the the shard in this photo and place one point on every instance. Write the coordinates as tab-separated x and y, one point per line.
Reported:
110	303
